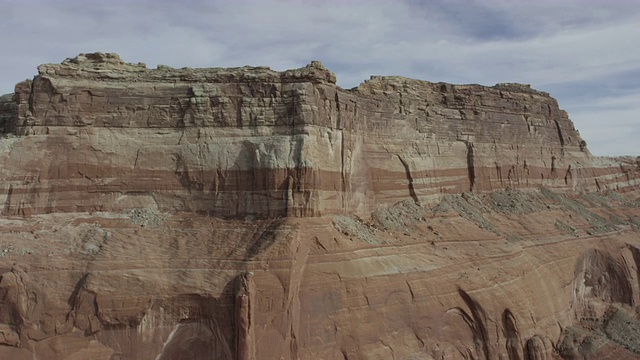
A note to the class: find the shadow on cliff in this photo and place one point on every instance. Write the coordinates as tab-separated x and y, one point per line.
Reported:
207	332
265	180
193	326
605	292
600	280
485	340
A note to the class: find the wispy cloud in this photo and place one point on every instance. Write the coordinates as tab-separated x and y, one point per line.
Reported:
582	51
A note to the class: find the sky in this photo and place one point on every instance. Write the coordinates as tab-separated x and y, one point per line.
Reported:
586	53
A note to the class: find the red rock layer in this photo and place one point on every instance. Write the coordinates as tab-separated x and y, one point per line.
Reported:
517	275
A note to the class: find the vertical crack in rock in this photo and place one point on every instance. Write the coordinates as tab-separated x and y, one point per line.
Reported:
343	144
560	137
218	184
31	100
470	165
298	266
245	342
499	172
407	171
239	105
135	162
7	202
568	176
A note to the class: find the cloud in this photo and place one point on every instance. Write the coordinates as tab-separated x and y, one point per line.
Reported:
579	50
611	124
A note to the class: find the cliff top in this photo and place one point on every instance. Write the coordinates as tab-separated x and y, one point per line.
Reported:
109	66
400	82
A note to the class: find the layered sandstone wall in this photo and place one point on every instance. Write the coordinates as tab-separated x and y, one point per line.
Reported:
402	266
506	275
101	134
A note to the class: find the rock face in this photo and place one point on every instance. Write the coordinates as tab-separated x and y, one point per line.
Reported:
105	135
246	213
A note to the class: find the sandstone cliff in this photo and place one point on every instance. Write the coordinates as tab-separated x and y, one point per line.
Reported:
99	135
246	213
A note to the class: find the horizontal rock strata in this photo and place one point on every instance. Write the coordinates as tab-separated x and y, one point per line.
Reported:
107	135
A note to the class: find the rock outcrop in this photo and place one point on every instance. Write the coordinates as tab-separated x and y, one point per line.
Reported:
102	135
246	213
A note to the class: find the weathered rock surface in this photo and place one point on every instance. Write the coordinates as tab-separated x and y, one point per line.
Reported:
251	214
106	136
